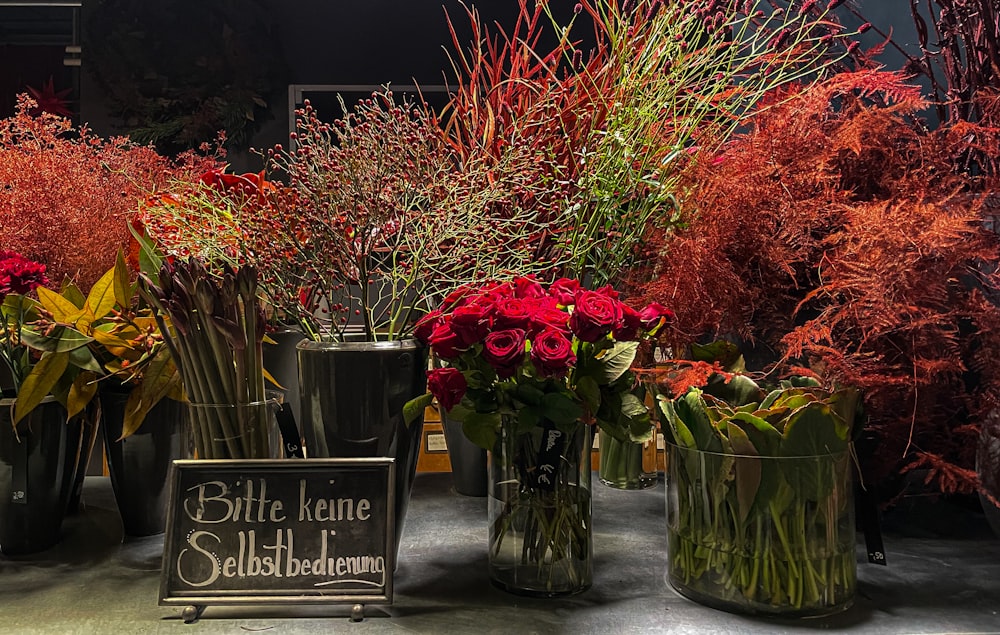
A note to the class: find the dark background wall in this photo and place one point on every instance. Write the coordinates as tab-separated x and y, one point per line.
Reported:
370	42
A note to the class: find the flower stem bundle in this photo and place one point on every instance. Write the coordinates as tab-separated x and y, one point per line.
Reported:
216	342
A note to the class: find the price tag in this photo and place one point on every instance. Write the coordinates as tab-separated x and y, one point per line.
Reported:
871	526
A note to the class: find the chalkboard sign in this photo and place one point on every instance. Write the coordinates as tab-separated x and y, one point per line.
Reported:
311	531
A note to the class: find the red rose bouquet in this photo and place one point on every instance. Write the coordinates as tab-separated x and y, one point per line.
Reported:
539	356
529	370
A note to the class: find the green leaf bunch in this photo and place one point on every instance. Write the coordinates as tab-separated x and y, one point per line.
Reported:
762	491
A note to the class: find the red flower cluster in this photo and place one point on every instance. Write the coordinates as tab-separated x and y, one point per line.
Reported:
521	321
19	275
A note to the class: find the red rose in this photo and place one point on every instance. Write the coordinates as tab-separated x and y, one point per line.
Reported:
512	313
425	326
444	342
654	317
609	291
629	328
594	315
564	290
504	350
527	287
471	322
552	353
447	385
457	298
548	318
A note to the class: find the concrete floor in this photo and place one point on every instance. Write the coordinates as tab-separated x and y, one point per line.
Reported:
943	577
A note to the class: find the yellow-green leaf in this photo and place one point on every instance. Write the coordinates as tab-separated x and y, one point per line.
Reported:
62	310
159	380
122	285
39	383
109	340
81	392
72	293
270	378
101	299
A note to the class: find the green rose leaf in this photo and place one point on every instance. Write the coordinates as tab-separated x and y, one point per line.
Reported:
413	408
528	417
560	409
481	428
617	361
589	392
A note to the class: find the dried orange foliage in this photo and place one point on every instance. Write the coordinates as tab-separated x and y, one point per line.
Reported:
837	233
65	193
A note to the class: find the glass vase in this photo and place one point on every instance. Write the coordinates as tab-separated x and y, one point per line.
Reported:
237	431
540	532
761	535
626	464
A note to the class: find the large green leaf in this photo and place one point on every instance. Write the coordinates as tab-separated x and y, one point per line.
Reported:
61	339
845	403
748	470
83	359
528	418
412	409
636	415
812	430
529	393
726	353
813	433
763	435
20	307
738	391
678	430
617	361
560	409
150	260
482	428
39	383
692	409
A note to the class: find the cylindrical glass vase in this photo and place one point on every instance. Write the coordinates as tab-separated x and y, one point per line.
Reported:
761	535
626	464
237	431
541	540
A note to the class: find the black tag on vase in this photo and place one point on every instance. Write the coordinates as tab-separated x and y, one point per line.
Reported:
290	440
549	455
871	526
